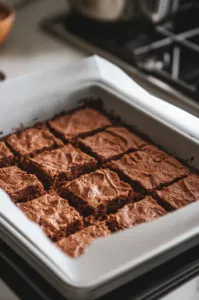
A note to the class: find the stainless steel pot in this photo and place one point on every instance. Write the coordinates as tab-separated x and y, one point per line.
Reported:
125	10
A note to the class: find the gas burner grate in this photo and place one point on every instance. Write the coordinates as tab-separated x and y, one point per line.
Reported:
169	52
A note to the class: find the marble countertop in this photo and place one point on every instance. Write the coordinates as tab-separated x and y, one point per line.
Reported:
189	291
29	49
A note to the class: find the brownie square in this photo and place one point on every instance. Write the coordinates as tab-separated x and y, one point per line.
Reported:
55	216
135	213
111	143
80	122
181	193
76	244
149	169
32	141
6	156
63	164
20	185
98	193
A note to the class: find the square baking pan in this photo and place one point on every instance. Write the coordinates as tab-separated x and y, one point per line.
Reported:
112	261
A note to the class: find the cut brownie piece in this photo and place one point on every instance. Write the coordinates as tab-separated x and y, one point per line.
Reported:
76	244
32	141
20	185
98	193
111	143
56	166
6	156
180	193
55	216
79	123
135	213
149	169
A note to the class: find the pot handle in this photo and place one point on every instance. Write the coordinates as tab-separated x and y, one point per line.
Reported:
157	10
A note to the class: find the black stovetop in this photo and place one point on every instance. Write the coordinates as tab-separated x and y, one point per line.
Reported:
168	51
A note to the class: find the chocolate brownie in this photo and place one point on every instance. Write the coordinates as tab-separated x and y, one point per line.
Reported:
79	123
135	213
20	185
6	156
56	166
181	193
98	193
111	143
76	244
55	216
32	141
149	169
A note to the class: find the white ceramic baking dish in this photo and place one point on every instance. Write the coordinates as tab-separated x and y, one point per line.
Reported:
109	262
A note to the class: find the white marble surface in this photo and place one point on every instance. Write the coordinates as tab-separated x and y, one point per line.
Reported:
29	49
6	293
189	291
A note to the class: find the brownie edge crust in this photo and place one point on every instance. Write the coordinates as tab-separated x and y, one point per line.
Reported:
20	185
55	216
76	244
